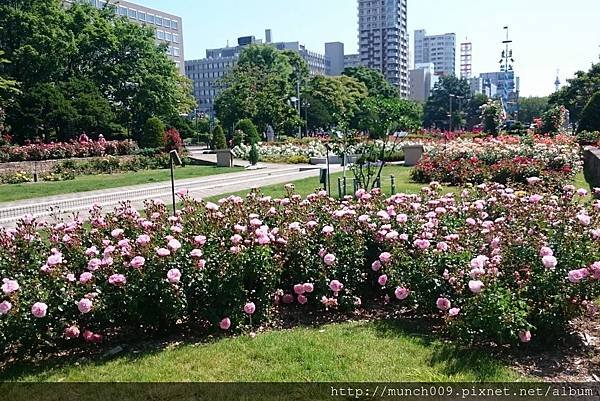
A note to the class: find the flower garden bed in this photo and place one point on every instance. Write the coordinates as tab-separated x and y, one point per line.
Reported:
65	150
505	159
491	264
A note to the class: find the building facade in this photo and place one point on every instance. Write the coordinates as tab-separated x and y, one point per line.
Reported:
168	28
383	39
206	73
352	60
422	80
437	49
334	54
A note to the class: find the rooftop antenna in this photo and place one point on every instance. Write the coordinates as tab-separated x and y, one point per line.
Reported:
508	76
557	82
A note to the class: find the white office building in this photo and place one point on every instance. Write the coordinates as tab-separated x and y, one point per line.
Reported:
437	49
383	39
422	80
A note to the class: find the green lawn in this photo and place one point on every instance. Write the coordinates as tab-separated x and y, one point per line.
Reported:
13	192
375	351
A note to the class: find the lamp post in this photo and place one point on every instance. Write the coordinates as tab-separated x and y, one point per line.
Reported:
460	100
173	159
451	96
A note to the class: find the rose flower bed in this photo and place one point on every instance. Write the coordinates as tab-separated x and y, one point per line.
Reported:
506	159
492	264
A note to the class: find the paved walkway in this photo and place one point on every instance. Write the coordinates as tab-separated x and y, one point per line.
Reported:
202	187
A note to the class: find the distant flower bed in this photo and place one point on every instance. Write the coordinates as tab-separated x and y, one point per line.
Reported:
65	150
504	159
269	152
492	264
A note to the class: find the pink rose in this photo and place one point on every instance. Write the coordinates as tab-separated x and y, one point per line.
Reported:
201	264
117	280
250	308
174	275
576	276
402	293
336	286
137	262
200	239
196	253
549	262
443	304
454	312
116	233
72	332
163	252
476	286
385	257
382	280
5	307
225	324
545	251
327	230
84	305
174	245
39	309
329	259
376	266
308	287
9	286
94	264
143	240
302	299
525	336
85	277
299	289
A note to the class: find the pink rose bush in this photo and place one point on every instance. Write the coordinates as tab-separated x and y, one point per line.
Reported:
491	264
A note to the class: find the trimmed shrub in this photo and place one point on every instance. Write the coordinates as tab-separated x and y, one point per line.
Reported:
218	138
253	156
250	132
154	134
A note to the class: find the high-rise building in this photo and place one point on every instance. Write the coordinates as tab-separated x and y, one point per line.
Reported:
352	60
383	39
206	73
422	80
334	52
168	27
437	49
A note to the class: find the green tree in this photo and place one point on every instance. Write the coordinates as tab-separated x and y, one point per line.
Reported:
154	134
491	113
531	108
82	46
381	116
253	155
578	92
590	116
473	110
374	80
259	88
436	111
218	139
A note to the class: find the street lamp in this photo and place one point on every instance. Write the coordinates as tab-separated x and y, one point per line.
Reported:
450	114
173	159
460	100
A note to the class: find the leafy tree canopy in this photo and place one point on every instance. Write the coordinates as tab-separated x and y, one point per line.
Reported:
374	80
578	92
437	108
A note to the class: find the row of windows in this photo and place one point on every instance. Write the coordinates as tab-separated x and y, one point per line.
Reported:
168	36
173	51
147	17
212	74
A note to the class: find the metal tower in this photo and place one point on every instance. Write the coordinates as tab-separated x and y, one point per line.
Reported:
506	81
557	82
466	60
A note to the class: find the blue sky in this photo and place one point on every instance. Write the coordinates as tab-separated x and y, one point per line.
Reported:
548	34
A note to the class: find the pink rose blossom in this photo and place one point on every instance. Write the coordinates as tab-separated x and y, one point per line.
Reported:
302	299
225	324
163	252
84	305
329	259
201	264
39	309
454	312
174	275
116	233
299	289
200	240
385	257
117	280
546	251
549	262
525	336
143	240
376	266
94	264
443	304
476	286
174	245
5	307
250	308
402	293
72	332
196	253
576	276
85	277
137	262
382	280
9	286
336	286
308	287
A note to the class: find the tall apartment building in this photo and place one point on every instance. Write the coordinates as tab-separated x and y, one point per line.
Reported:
437	49
383	39
352	60
206	73
168	27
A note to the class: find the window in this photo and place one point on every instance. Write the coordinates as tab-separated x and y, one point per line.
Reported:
142	16
174	25
122	11
132	13
166	23
168	36
159	20
175	38
150	18
176	51
160	35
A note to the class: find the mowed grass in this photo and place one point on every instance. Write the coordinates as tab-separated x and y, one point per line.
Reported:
14	192
354	351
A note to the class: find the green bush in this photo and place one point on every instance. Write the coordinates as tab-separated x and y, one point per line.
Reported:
250	132
585	138
218	138
590	116
253	156
238	137
154	134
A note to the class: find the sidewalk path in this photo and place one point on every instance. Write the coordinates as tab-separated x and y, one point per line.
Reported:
202	187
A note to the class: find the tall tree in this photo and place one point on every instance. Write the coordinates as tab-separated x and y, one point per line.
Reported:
380	116
374	80
531	108
436	112
590	116
578	92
